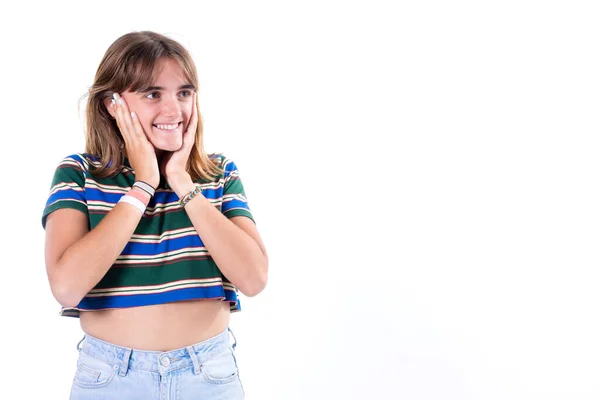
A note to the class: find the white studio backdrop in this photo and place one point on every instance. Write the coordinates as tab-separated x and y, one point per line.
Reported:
424	176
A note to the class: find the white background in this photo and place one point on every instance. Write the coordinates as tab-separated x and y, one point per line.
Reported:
424	175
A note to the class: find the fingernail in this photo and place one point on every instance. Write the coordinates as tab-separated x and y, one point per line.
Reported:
113	101
132	114
114	96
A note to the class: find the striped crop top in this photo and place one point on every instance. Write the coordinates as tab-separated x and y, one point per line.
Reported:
165	260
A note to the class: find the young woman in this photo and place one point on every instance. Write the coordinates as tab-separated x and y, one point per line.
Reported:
149	238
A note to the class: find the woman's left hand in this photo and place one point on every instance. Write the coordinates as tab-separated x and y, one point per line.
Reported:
173	164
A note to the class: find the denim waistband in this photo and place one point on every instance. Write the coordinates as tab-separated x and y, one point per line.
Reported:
157	361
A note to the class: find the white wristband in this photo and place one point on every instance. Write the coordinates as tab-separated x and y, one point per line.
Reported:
134	202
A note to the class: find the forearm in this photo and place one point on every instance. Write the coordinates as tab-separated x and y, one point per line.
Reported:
86	262
237	254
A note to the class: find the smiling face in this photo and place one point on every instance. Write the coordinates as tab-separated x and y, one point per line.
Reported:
164	109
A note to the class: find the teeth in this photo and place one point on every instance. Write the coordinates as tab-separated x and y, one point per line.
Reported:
166	127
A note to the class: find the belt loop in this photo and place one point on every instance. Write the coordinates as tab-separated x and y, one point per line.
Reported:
194	358
79	344
234	339
125	362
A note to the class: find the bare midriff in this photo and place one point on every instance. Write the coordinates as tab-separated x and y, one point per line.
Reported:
161	327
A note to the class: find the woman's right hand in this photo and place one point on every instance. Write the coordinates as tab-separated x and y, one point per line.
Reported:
140	151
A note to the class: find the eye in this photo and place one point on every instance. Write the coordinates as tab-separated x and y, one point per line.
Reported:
185	93
153	95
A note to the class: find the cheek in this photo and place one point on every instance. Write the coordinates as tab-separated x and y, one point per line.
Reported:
145	115
145	122
187	111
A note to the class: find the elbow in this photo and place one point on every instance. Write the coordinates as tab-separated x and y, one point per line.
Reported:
66	289
255	290
66	297
65	294
258	283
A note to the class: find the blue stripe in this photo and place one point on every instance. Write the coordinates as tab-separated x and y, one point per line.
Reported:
213	193
77	158
163	197
65	195
229	168
228	205
95	194
151	249
97	303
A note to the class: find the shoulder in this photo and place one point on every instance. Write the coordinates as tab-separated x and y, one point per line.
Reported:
217	158
226	164
79	161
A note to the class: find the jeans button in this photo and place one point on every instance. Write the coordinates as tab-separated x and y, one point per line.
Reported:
165	362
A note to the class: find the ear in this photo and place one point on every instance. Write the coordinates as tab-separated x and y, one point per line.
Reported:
110	107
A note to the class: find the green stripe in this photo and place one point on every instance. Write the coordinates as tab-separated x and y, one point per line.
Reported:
236	212
63	204
145	276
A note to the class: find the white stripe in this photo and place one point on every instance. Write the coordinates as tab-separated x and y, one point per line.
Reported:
65	186
162	287
58	201
166	236
166	256
106	188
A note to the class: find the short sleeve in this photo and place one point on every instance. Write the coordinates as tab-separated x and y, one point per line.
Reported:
234	198
67	189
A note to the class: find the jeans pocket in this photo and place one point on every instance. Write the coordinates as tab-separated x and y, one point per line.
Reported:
220	369
93	373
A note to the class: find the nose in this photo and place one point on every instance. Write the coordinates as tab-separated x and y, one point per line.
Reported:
170	106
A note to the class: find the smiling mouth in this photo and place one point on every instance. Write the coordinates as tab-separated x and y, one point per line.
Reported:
168	127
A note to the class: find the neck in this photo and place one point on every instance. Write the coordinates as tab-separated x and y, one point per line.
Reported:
159	154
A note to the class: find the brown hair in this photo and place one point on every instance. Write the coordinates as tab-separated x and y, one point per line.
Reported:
129	64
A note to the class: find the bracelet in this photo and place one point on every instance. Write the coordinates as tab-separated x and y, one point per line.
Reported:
145	187
134	202
139	194
190	195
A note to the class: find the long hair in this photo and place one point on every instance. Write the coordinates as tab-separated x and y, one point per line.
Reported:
129	64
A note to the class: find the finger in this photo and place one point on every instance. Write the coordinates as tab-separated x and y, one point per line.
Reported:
137	126
189	136
121	121
194	118
115	112
137	132
124	119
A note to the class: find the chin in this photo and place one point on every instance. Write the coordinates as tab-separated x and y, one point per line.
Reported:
168	146
171	147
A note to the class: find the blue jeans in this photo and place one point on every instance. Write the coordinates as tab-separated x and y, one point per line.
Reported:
207	370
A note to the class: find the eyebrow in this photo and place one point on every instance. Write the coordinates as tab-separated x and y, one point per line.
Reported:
158	88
